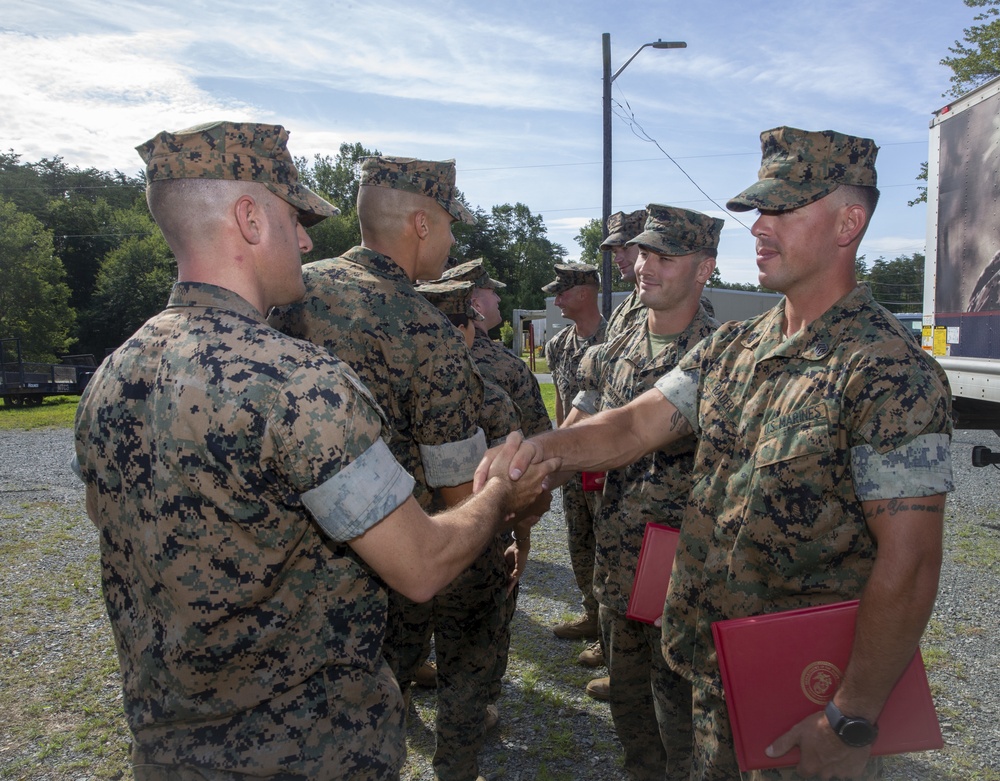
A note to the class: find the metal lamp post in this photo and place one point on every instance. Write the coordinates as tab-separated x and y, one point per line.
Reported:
606	204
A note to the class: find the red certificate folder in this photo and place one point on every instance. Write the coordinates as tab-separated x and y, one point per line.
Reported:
778	668
652	575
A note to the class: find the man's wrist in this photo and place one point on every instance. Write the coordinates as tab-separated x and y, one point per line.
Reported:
854	731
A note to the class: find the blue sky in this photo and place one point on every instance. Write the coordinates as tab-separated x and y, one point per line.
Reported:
510	89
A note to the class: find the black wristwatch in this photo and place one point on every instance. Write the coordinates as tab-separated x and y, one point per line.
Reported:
855	731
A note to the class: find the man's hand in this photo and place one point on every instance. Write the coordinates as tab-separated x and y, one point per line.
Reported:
528	492
538	508
822	753
509	460
516	555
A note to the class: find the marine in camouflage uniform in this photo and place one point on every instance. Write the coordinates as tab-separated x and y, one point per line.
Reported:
794	434
249	635
499	365
563	354
650	704
364	307
621	228
822	464
498	418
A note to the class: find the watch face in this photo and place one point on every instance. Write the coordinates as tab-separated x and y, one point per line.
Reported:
858	732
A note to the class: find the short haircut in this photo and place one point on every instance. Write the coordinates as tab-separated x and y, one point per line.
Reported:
187	207
866	196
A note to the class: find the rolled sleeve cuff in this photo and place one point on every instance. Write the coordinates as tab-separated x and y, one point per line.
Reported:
360	495
680	388
586	401
453	463
921	467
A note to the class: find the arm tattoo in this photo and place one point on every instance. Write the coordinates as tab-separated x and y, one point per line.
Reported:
896	506
679	423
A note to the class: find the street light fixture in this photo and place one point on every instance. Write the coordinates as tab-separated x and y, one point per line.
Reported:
606	204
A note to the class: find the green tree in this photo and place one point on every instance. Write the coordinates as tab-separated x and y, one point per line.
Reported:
336	179
974	62
589	238
977	59
333	237
716	281
519	251
132	285
76	206
34	296
921	189
861	268
898	284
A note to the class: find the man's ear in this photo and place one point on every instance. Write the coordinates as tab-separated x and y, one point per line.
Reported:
421	225
852	225
705	269
249	217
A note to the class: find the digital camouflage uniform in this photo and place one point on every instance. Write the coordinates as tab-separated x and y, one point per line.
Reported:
498	418
627	315
499	364
563	354
495	362
653	489
512	375
793	435
650	704
226	466
364	308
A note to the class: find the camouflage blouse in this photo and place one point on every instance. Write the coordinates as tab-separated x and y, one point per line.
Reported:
249	634
654	488
501	366
364	309
794	434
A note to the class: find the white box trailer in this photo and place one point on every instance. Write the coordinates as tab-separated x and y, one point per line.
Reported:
961	325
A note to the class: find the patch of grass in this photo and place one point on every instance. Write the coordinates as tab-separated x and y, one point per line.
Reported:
60	689
978	547
53	412
541	365
549	397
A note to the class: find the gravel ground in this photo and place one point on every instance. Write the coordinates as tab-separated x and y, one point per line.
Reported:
549	729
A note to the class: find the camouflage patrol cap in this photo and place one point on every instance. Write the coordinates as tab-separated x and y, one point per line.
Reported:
673	231
453	297
435	179
570	275
240	151
622	227
473	271
801	166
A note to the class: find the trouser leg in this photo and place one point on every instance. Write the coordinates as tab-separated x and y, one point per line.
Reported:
632	710
468	617
580	530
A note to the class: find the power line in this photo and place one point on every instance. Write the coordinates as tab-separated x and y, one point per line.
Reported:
639	132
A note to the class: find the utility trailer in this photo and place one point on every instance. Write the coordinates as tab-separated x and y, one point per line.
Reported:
27	383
